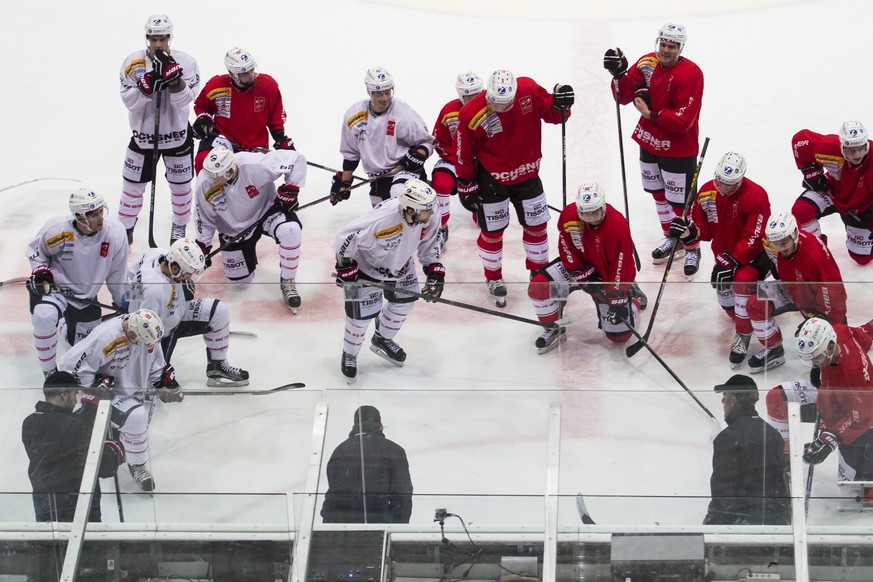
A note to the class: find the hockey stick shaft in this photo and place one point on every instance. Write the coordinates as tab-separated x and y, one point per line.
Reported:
244	234
563	158
809	474
31	181
623	169
331	170
118	498
155	138
363	182
689	197
230	391
13	281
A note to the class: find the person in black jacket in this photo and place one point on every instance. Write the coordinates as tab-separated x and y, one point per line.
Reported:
377	490
56	440
748	483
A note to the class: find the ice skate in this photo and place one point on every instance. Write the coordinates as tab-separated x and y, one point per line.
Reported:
497	288
767	359
739	347
549	340
177	231
662	253
692	262
220	373
290	295
387	349
349	367
142	476
637	293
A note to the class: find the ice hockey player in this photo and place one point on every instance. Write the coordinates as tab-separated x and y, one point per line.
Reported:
70	258
122	356
156	81
385	135
244	106
237	196
667	89
494	172
163	281
379	248
444	180
838	178
730	211
595	255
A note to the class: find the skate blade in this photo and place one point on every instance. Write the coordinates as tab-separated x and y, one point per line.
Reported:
382	354
225	383
770	365
736	366
500	302
351	381
553	345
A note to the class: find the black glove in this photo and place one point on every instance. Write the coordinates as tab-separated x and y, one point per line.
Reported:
683	230
166	67
346	271
643	93
112	457
468	192
815	376
436	281
585	275
287	195
619	309
150	82
339	190
413	161
206	249
723	271
814	178
203	127
41	281
283	142
615	62
563	97
819	449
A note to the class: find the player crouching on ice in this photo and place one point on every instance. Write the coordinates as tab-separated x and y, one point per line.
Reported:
596	256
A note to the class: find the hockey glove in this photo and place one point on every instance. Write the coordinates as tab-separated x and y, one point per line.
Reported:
815	376
723	271
346	271
414	159
101	389
206	249
435	283
283	142
586	275
643	93
619	309
684	230
339	190
615	62
563	97
814	178
167	387
203	127
149	83
113	456
819	449
287	195
41	281
167	67
468	192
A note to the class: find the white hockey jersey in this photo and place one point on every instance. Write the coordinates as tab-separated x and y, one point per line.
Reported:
173	127
151	289
82	263
232	208
108	352
381	141
382	242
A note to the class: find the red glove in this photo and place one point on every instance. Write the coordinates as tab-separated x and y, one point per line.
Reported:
586	274
149	83
346	271
287	195
814	178
206	249
41	281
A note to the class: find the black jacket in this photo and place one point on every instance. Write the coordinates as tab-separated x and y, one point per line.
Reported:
388	484
748	483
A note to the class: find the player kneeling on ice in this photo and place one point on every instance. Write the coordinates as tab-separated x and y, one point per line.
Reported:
237	197
596	256
378	248
118	360
163	281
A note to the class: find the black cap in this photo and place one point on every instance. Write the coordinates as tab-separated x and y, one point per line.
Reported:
60	382
367	415
738	383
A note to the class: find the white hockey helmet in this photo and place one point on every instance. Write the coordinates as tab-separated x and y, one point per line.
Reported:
158	25
219	164
187	255
417	196
853	134
145	327
781	226
83	201
238	61
468	85
502	87
673	33
590	197
814	337
730	169
378	79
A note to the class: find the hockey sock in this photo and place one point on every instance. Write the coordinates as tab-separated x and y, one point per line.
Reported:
491	253
536	246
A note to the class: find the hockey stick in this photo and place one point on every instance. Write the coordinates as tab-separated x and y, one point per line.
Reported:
646	345
548	325
631	350
229	391
118	496
363	182
564	158
244	233
14	281
332	170
808	492
152	243
623	172
10	187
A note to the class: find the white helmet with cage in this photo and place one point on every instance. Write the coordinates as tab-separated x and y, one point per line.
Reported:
502	87
853	134
158	25
83	201
590	197
468	85
781	226
239	61
378	79
673	33
417	196
814	337
730	169
219	164
145	327
187	255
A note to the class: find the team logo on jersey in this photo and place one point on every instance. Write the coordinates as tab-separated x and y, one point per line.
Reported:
135	69
389	127
833	164
526	104
114	346
260	104
493	125
358	119
221	97
706	201
252	190
215	195
104	249
59	239
389	232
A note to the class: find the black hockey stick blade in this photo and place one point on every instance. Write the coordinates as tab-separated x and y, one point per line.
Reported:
235	391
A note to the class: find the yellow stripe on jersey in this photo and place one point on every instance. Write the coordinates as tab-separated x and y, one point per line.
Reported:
574	226
768	246
356	119
213	193
59	239
218	93
115	345
389	232
134	66
449	118
479	118
172	297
